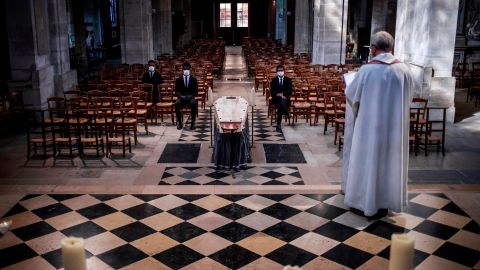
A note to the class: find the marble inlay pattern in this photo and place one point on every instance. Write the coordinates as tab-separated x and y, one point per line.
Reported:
251	175
233	232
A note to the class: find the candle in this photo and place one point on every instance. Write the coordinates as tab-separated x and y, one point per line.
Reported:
401	252
289	267
73	253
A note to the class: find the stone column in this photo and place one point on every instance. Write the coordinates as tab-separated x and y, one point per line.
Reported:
379	16
328	34
79	29
187	7
302	27
425	38
162	27
136	37
281	21
64	78
29	45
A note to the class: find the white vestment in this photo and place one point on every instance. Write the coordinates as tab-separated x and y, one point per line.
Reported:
375	158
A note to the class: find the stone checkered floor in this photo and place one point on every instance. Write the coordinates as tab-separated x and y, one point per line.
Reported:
252	175
233	232
263	131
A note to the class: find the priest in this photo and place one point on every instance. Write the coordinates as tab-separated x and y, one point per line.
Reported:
376	153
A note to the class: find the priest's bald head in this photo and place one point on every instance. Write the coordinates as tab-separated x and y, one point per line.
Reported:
382	42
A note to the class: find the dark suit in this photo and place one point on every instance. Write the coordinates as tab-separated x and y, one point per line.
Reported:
281	103
186	96
154	79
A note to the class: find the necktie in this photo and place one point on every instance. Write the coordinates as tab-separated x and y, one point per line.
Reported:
281	81
151	74
186	81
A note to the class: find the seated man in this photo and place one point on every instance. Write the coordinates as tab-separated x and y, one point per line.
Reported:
186	89
281	89
154	78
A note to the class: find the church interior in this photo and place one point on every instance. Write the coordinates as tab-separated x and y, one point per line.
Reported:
91	148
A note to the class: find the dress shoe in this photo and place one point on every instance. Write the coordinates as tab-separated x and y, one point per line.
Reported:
179	126
278	128
192	126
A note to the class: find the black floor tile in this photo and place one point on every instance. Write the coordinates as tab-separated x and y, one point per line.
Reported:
326	211
16	209
458	254
217	183
187	211
272	175
188	183
347	255
217	175
148	197
51	211
275	183
234	257
453	208
63	197
106	197
234	198
234	231
15	254
336	231
183	232
33	231
285	231
30	196
418	256
84	230
191	197
384	229
180	153
234	211
419	210
472	226
436	229
122	256
280	211
291	255
133	231
276	197
319	197
142	211
178	257
283	153
96	211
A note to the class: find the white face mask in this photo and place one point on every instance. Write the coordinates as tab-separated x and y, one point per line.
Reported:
151	68
186	72
280	73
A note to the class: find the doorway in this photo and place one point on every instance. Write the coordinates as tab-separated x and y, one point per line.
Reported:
232	21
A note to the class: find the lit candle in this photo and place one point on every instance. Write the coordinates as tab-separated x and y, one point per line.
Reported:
401	252
73	253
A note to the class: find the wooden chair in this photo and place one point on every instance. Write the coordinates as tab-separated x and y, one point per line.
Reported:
339	109
118	135
143	107
300	104
129	106
38	132
329	113
90	134
166	104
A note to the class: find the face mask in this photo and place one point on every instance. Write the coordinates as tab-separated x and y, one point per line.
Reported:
151	68
280	73
186	72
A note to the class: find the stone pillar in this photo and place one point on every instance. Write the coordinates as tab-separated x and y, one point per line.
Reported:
79	29
281	21
425	34
64	78
162	26
302	27
136	37
29	45
379	16
329	31
187	7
